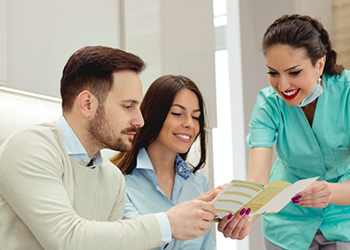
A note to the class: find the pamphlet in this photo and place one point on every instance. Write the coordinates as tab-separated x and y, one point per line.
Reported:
259	198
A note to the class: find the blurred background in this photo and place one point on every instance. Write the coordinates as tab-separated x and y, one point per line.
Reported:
216	43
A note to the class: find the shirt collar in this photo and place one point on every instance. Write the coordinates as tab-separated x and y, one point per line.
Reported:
182	168
74	147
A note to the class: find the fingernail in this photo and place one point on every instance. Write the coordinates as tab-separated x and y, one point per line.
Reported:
248	211
242	211
296	198
295	201
229	216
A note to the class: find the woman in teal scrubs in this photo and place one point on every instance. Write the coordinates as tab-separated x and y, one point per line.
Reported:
306	112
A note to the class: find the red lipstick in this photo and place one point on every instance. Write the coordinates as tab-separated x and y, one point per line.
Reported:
289	97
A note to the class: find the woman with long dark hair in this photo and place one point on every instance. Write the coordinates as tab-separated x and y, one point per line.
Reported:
156	171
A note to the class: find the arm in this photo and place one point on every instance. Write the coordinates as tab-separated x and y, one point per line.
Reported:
260	162
139	201
340	193
321	193
31	184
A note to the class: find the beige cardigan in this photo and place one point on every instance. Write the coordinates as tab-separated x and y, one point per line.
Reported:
49	201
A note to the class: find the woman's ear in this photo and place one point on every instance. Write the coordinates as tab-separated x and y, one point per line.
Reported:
320	64
87	103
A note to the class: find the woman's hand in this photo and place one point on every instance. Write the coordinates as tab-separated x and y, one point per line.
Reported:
237	227
318	194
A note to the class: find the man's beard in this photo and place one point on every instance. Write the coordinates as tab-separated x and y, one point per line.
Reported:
102	133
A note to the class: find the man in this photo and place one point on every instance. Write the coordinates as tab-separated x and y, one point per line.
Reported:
56	189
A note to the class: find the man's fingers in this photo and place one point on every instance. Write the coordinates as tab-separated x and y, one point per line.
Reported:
210	195
209	207
206	225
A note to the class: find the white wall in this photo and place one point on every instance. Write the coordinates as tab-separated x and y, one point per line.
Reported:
167	36
3	43
41	36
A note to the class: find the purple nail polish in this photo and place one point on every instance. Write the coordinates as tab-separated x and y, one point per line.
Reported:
296	198
229	216
242	211
248	211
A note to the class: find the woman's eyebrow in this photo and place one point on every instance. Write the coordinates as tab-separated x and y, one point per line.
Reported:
182	107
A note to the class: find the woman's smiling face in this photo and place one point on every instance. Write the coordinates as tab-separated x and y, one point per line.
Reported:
291	72
181	125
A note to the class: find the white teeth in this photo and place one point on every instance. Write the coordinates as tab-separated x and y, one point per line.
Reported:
183	136
290	92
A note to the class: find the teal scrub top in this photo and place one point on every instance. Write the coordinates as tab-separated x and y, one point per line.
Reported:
303	152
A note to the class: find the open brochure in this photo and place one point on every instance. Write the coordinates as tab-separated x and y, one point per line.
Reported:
259	198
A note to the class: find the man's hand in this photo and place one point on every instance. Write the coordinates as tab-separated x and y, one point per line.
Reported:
211	194
189	219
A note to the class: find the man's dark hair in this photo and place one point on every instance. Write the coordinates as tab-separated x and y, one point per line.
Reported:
91	68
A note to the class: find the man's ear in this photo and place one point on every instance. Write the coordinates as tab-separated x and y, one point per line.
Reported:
87	103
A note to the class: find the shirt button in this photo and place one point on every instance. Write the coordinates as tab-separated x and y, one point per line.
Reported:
317	217
317	160
85	160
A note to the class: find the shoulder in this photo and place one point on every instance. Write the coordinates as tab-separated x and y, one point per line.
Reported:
338	85
112	169
268	107
38	148
342	81
46	135
267	97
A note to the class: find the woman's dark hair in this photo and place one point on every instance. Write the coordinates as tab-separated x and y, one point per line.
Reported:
155	108
91	68
303	32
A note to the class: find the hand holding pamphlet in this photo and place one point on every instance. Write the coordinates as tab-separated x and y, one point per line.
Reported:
259	198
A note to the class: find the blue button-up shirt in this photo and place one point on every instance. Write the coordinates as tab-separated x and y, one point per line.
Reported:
144	196
74	147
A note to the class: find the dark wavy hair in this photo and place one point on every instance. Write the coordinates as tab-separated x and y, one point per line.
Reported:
155	108
305	32
91	68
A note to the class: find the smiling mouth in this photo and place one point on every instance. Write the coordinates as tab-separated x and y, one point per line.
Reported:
182	136
290	94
